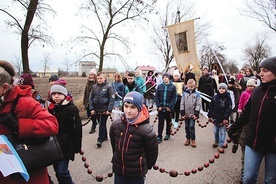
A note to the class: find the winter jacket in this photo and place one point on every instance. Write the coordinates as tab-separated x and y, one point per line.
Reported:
70	127
33	121
206	84
87	91
166	95
220	108
190	103
101	98
130	87
140	83
119	88
135	146
259	116
243	99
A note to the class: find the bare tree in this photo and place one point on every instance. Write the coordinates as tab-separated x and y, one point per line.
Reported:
46	63
255	52
207	55
67	65
18	65
23	25
263	11
109	15
174	11
232	66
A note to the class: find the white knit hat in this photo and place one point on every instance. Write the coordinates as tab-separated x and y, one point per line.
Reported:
56	88
251	82
93	71
176	72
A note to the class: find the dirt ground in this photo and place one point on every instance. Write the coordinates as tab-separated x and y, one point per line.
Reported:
75	85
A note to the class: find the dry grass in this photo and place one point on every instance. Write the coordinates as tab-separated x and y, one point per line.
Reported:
75	85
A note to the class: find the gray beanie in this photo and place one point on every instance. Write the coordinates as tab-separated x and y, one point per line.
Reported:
135	98
58	89
223	85
269	64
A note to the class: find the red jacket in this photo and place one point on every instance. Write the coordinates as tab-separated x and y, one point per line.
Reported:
33	121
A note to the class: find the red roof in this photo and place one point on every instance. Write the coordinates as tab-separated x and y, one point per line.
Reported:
146	68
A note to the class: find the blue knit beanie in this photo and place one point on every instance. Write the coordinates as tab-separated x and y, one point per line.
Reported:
167	75
135	98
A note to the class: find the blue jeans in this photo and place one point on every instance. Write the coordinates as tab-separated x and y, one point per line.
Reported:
220	134
102	129
252	162
190	128
119	179
62	172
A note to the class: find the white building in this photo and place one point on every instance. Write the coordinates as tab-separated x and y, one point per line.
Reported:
86	66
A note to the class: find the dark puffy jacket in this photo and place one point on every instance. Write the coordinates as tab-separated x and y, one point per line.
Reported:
206	85
70	128
135	146
259	116
166	95
102	98
220	107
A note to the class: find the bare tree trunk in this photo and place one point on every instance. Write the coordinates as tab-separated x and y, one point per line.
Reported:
25	33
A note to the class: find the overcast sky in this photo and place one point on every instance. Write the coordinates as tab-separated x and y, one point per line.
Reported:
228	27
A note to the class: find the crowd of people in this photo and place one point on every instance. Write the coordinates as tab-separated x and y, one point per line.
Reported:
241	105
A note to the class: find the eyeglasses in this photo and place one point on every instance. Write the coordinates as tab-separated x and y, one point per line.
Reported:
250	86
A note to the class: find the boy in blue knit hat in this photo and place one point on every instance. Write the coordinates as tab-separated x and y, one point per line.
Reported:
133	141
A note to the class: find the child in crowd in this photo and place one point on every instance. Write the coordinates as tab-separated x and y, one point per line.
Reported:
133	141
140	81
118	87
165	100
150	90
233	89
179	84
219	112
130	84
70	130
101	103
91	80
250	86
189	108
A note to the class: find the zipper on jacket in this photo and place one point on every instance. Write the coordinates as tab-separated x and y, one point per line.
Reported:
120	141
141	164
128	140
258	123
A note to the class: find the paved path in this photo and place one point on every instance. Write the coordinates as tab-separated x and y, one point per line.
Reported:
173	155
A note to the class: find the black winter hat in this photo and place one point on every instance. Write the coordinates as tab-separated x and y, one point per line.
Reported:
167	75
53	78
269	64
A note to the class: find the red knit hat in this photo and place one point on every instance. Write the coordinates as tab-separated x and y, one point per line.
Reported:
27	79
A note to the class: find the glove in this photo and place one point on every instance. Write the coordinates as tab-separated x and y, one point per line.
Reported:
10	121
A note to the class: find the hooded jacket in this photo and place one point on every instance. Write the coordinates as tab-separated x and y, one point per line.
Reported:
70	127
190	103
220	107
33	121
135	146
